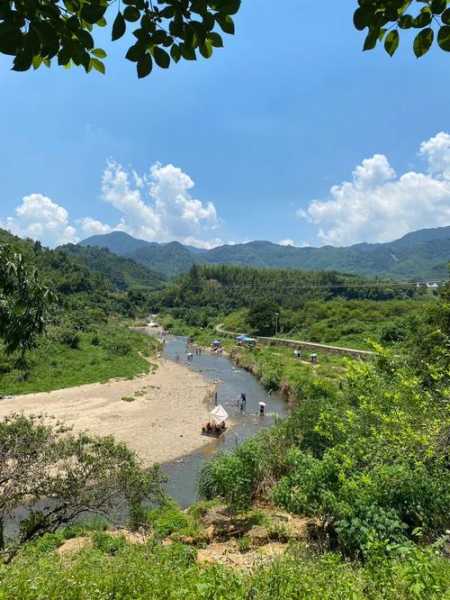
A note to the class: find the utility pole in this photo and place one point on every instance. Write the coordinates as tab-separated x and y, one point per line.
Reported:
276	323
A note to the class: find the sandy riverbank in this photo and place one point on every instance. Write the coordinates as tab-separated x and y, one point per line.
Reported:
162	423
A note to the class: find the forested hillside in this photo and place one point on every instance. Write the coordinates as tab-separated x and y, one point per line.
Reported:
168	259
123	273
87	277
226	288
323	307
86	339
420	255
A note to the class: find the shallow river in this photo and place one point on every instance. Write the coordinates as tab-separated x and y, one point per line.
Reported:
183	473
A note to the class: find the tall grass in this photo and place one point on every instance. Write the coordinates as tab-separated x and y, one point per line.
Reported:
68	358
120	571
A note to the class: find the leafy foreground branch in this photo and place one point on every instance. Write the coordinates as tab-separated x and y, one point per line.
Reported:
36	33
59	476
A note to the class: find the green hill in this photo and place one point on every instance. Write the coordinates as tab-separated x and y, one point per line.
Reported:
420	255
123	273
89	282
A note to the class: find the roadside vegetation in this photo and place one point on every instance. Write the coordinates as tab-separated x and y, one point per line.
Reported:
346	323
328	308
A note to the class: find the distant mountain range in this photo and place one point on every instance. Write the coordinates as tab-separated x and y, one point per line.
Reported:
420	255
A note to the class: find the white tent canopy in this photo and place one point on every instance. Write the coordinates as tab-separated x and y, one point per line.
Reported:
219	414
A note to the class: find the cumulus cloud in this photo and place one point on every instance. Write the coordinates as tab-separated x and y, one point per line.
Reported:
158	206
379	205
436	151
39	218
89	226
286	242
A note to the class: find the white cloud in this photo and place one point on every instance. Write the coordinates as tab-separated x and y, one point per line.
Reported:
159	206
379	206
436	151
89	226
287	242
204	244
38	217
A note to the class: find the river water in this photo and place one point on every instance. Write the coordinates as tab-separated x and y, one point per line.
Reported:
183	474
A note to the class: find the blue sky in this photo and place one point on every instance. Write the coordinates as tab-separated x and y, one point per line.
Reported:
244	146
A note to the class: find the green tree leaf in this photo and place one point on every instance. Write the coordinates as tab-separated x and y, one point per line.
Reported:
144	66
99	53
444	38
161	57
438	6
226	23
391	42
206	49
423	42
371	39
119	27
405	22
131	14
175	53
92	13
229	7
360	18
97	65
216	39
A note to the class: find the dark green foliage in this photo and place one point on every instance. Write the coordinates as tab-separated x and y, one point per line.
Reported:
123	273
226	288
369	460
37	34
384	19
263	317
88	281
429	344
70	339
60	476
176	29
24	302
352	323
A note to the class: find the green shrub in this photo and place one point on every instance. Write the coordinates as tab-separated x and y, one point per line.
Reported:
168	519
70	339
95	340
108	544
119	348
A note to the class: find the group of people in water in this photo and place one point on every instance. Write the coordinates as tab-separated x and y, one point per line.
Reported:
214	428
